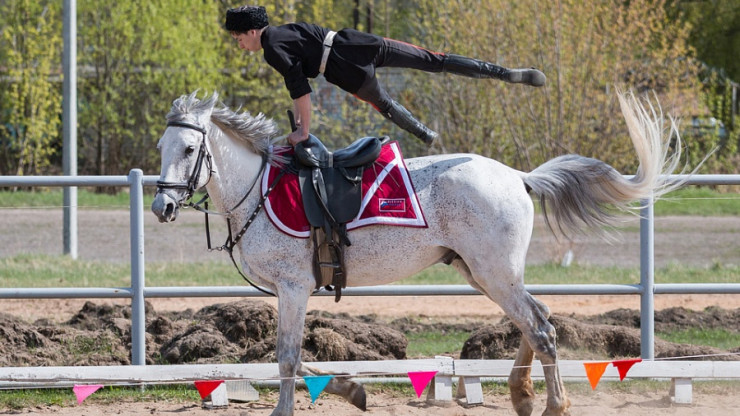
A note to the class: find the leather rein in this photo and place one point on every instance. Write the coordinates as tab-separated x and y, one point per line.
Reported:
190	187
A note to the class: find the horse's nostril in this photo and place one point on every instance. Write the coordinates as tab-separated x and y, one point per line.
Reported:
169	209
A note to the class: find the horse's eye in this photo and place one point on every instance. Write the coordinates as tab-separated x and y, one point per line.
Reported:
189	151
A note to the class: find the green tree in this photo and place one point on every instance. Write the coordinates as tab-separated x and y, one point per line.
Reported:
715	31
30	91
135	57
585	48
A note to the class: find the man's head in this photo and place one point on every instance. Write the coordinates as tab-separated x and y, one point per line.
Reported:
245	18
246	24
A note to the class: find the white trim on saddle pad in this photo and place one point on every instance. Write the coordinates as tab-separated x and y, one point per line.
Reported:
388	205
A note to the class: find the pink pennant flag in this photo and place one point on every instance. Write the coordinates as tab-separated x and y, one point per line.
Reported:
420	380
594	371
206	387
83	391
623	366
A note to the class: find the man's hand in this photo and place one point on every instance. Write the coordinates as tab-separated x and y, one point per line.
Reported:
302	107
297	137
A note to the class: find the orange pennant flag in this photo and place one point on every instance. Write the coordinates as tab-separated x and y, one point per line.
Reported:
594	371
623	366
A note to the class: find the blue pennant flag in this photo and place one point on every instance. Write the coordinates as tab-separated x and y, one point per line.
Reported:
316	384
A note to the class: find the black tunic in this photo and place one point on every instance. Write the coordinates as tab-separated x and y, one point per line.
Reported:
295	51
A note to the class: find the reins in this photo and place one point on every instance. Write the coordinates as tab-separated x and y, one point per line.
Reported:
231	242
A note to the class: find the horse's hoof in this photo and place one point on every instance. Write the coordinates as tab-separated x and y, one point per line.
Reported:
358	398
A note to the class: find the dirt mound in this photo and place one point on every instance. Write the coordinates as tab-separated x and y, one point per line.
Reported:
243	331
246	331
672	319
584	338
22	344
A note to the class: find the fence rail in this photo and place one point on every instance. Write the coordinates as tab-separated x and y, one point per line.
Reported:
138	291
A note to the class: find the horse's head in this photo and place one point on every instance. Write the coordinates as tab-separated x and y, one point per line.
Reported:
186	160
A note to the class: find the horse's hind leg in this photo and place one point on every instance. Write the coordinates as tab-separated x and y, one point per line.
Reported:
530	316
520	379
538	335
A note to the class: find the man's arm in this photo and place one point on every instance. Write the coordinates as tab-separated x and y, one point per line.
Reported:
302	107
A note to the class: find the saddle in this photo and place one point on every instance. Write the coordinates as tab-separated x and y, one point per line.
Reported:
331	188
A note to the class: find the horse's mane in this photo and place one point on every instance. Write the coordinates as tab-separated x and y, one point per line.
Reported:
254	131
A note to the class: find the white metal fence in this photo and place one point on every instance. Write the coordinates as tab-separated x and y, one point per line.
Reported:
138	290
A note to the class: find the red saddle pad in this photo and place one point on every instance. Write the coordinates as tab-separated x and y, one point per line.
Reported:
388	196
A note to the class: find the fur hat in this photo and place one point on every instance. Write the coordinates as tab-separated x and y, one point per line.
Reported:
246	18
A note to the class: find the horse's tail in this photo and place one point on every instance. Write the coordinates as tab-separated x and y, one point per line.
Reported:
577	191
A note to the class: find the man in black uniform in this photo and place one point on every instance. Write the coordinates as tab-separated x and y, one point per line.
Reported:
348	59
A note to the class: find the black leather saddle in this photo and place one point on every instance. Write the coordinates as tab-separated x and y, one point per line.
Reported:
331	187
331	182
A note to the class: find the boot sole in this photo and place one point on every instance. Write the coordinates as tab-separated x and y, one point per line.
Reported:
531	77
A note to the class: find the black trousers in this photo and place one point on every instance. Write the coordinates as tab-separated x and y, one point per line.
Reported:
396	54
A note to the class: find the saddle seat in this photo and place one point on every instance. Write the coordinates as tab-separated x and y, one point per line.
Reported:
331	188
312	153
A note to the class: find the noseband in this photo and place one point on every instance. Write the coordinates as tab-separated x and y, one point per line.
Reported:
192	182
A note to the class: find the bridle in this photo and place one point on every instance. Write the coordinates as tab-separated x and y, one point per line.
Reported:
191	185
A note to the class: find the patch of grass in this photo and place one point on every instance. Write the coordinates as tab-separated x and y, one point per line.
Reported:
54	198
61	271
64	397
32	271
433	343
718	338
555	274
694	200
30	398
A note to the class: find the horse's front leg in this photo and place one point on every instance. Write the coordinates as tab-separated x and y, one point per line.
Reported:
292	304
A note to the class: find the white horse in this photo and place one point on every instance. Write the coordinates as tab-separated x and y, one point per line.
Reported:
479	212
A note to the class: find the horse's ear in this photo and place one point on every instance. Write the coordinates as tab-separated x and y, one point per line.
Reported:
209	104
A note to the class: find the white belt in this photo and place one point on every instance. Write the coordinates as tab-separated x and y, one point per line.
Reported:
328	41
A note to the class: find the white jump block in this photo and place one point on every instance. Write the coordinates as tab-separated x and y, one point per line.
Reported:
219	398
440	389
241	391
234	390
470	388
681	390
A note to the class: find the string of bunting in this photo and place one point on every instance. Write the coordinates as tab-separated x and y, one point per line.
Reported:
419	379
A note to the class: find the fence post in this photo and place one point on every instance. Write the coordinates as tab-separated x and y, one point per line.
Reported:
69	125
138	314
647	280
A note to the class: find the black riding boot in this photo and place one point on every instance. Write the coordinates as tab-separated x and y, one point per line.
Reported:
405	120
469	67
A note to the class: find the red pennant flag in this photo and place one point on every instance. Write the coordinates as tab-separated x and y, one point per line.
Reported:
594	371
206	387
420	379
83	391
623	366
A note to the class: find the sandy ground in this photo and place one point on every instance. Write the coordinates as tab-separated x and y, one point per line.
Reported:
103	235
583	404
